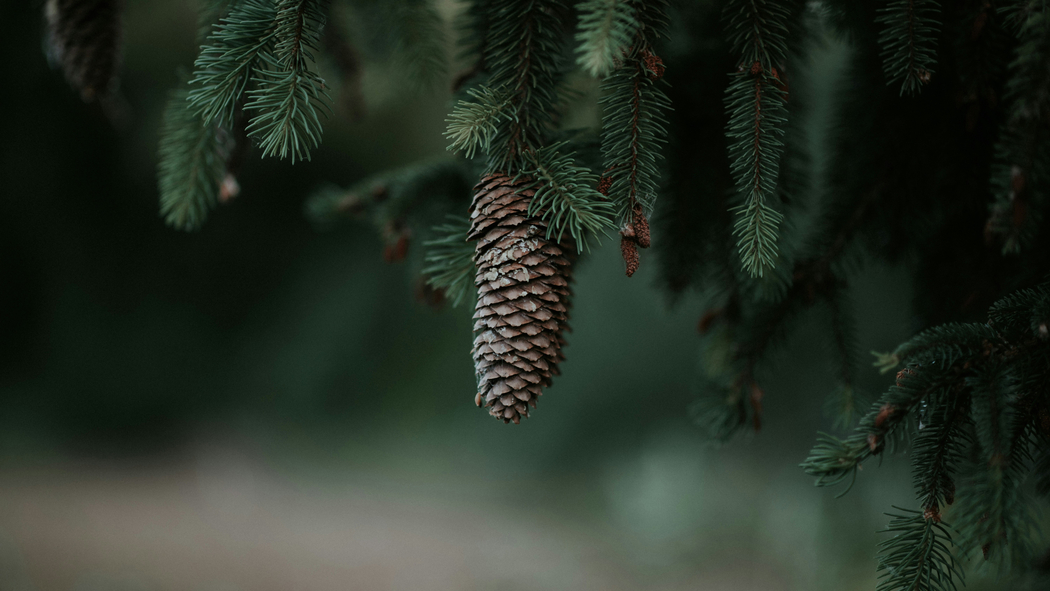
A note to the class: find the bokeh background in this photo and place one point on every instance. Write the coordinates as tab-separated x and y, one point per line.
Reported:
264	406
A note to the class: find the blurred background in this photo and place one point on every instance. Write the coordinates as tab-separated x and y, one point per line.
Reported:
264	406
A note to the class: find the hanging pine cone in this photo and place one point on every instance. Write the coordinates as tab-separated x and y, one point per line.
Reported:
523	298
84	38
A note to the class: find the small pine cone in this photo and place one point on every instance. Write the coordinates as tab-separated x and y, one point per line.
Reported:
641	227
85	38
523	298
629	251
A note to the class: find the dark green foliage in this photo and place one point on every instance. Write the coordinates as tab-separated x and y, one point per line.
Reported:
757	117
978	396
743	216
605	33
289	98
634	126
918	557
757	31
523	51
450	260
192	164
472	124
566	196
225	65
909	42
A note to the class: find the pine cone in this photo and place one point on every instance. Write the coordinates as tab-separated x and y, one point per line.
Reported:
85	38
523	298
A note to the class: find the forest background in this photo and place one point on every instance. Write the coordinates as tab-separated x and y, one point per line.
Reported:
265	405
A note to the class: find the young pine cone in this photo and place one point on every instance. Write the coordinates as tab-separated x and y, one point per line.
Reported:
84	38
523	298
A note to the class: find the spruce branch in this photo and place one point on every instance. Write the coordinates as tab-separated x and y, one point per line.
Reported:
604	33
918	557
472	125
290	98
566	196
994	517
634	129
191	167
450	259
975	397
757	115
224	67
757	31
909	42
939	449
522	50
756	123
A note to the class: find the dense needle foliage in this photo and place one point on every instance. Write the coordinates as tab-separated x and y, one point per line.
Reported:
938	161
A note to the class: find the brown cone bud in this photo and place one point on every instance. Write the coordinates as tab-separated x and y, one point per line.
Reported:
641	227
629	250
523	298
84	38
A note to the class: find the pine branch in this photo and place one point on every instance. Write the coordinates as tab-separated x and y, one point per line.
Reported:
993	514
566	196
472	125
450	260
755	106
918	557
289	95
634	128
604	34
938	454
909	42
192	164
757	116
522	50
224	67
833	460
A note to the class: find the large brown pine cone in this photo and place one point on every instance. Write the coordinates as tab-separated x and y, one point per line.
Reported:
85	38
523	298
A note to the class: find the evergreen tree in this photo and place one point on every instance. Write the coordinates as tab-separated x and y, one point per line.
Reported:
937	162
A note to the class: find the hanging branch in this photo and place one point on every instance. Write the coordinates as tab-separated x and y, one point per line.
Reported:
633	130
909	42
918	557
521	51
565	196
192	165
604	34
224	67
289	96
755	105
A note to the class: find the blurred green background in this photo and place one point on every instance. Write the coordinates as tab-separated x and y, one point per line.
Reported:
263	406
